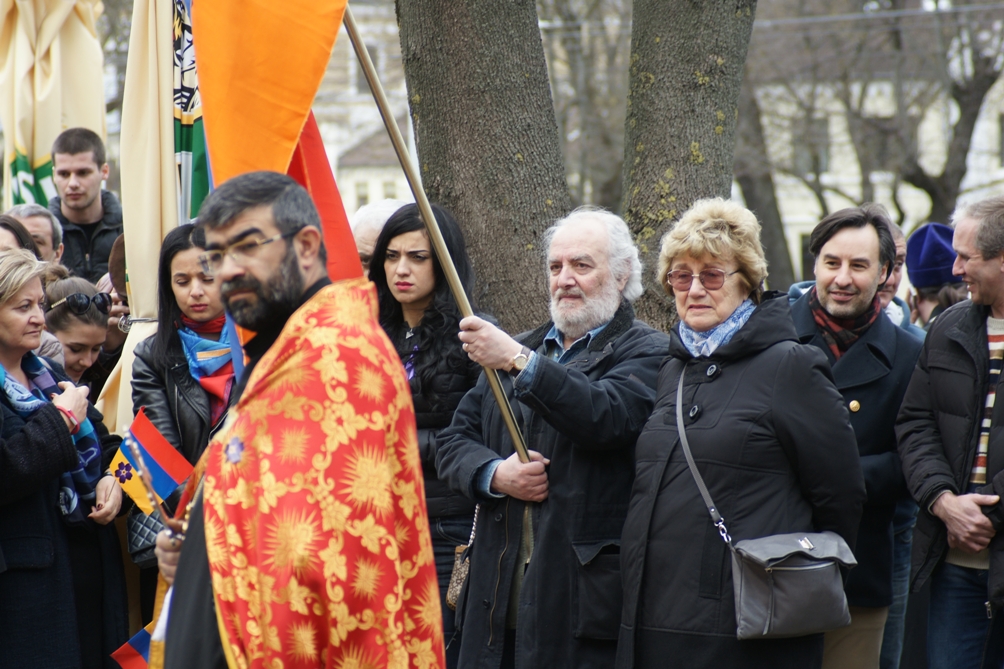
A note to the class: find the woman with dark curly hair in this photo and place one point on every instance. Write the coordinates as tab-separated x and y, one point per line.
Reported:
421	317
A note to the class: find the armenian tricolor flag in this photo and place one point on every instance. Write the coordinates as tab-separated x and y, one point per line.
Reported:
135	653
167	467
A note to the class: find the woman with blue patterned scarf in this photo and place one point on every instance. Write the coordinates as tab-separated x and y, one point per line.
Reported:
183	375
62	601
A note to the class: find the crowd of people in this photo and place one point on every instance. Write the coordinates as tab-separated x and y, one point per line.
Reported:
358	499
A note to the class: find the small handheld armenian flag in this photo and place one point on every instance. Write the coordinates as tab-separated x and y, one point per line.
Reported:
166	467
135	653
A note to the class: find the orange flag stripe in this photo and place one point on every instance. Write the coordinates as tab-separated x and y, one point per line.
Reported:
260	64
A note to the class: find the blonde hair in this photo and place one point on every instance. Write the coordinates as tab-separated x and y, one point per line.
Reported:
17	268
722	229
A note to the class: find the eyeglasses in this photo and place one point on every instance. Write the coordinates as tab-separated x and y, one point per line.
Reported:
240	252
711	279
78	303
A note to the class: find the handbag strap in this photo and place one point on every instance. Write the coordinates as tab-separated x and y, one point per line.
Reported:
474	525
716	517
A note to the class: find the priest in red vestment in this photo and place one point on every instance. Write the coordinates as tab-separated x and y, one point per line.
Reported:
307	542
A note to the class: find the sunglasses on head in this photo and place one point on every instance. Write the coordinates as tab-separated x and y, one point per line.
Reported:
78	302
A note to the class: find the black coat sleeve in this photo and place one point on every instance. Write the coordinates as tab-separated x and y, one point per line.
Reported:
461	450
605	413
884	480
42	450
921	452
427	445
814	429
149	389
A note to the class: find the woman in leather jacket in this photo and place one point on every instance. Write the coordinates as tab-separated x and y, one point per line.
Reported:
185	398
421	317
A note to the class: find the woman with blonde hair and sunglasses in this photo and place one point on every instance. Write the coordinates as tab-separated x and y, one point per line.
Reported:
769	434
78	317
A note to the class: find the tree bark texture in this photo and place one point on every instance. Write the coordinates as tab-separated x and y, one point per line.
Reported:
487	141
686	69
752	171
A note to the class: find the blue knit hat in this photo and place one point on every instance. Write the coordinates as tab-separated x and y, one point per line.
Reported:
930	256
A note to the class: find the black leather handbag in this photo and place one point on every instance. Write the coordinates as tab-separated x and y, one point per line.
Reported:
142	533
785	585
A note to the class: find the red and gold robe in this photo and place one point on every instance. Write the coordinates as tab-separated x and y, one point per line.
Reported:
316	529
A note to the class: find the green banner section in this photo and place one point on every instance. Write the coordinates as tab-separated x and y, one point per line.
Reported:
31	185
193	166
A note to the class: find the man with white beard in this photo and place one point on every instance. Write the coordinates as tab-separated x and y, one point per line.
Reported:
544	583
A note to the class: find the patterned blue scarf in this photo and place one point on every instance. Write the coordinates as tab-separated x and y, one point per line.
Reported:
76	493
703	344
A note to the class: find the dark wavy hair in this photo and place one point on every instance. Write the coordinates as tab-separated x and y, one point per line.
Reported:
434	344
21	234
180	239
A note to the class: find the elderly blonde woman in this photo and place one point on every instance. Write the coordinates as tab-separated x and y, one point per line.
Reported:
769	434
62	597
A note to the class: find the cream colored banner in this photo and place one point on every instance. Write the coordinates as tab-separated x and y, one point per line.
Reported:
149	183
51	79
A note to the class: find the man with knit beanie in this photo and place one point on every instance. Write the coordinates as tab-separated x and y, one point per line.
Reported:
952	448
929	260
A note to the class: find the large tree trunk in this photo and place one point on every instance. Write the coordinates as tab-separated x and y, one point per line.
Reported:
752	171
686	70
487	140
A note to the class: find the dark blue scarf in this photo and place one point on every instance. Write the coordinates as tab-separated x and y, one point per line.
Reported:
76	487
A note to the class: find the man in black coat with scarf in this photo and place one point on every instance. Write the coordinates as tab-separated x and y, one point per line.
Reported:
544	586
872	361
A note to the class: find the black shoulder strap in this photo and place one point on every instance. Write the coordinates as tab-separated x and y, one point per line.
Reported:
716	517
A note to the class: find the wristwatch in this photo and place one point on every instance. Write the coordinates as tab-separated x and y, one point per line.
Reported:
519	363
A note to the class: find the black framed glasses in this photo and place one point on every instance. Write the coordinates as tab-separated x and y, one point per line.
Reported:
240	252
78	303
711	279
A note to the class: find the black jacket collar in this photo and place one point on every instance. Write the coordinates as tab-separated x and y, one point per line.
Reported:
111	215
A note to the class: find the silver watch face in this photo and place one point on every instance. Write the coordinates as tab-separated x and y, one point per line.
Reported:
519	362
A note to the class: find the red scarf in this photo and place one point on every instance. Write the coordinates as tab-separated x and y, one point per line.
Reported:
840	333
214	326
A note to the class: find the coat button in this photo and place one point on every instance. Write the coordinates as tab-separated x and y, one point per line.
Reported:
854	406
498	517
486	603
694	410
712	369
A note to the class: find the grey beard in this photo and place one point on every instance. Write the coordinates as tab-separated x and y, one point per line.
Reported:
595	311
276	300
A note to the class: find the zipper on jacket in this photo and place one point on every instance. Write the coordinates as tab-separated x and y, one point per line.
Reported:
990	611
498	577
177	407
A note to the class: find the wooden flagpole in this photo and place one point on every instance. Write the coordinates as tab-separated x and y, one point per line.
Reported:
435	235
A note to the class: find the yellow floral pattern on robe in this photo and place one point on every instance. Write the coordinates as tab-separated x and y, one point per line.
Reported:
316	528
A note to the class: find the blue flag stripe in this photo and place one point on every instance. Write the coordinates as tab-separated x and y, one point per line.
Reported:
163	484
